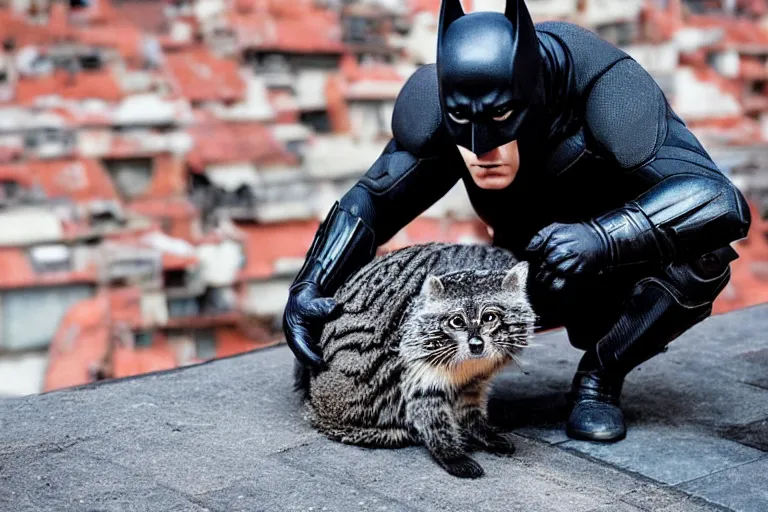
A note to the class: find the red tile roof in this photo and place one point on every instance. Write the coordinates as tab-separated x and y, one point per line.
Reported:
220	143
83	85
315	32
89	337
80	341
178	212
119	35
749	273
18	272
201	76
738	32
81	179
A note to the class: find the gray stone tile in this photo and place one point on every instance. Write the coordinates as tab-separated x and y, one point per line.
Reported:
552	434
60	479
741	489
204	401
536	478
617	507
678	388
277	487
665	499
754	434
669	455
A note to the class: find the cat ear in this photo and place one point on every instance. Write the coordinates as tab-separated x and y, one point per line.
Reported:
516	277
432	287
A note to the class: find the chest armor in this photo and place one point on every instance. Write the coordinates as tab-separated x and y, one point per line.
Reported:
570	182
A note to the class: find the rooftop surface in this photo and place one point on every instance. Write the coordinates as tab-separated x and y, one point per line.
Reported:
229	435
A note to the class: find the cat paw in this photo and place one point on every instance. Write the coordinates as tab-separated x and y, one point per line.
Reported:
500	445
463	467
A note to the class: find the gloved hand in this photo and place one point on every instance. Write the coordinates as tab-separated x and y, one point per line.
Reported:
305	313
563	251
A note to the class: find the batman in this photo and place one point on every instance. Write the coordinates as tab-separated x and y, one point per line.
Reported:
571	154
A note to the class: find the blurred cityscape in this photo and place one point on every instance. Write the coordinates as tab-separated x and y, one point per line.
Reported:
164	164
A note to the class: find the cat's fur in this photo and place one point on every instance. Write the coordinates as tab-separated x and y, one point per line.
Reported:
398	373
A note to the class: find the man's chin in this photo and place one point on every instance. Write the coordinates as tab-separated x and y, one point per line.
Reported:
493	182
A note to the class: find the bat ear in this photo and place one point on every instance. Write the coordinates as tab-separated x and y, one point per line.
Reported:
511	10
450	11
432	287
517	13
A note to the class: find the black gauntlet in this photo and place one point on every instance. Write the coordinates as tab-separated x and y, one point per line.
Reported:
343	244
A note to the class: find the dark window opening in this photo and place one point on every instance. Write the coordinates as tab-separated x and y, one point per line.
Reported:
142	339
10	190
131	176
175	278
183	308
205	344
318	120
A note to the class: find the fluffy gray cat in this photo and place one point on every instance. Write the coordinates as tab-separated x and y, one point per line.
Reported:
421	332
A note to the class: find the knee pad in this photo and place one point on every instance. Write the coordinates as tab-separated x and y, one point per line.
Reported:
661	308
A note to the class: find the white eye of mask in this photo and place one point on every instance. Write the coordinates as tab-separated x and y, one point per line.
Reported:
456	119
504	117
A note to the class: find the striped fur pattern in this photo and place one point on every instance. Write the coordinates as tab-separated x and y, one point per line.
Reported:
422	331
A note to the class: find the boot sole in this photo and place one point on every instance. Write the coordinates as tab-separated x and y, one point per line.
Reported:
596	436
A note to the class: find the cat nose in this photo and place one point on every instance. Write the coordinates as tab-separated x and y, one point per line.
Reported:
476	345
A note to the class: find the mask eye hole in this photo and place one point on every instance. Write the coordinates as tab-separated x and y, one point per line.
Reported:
457	322
456	117
502	114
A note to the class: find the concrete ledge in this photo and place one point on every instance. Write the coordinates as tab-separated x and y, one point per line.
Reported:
229	435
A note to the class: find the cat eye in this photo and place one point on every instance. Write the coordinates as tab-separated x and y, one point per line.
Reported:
490	317
457	322
456	117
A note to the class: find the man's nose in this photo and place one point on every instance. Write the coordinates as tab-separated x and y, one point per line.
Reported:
476	345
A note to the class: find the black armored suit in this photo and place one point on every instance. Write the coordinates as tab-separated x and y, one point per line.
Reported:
624	216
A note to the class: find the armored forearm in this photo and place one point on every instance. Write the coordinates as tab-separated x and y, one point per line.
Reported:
342	244
681	217
395	190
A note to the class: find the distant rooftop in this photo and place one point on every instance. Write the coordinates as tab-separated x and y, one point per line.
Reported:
230	435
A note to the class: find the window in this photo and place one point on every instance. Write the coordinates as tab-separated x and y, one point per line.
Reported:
219	300
142	339
317	120
10	190
205	344
182	308
131	176
175	278
51	258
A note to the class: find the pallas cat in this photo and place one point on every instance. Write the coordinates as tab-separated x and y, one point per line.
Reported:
408	356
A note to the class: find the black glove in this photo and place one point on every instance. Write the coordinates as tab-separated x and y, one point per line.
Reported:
304	315
562	251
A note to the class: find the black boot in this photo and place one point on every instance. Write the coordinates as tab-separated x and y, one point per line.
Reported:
596	415
658	310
